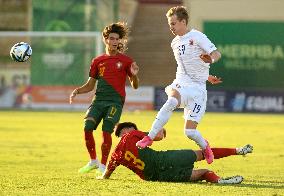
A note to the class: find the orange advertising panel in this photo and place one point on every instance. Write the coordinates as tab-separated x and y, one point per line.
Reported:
57	95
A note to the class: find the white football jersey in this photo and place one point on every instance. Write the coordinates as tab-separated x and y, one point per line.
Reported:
187	49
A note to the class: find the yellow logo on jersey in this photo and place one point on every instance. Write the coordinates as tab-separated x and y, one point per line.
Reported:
137	162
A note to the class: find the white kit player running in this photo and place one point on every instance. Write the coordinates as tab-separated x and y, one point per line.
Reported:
194	53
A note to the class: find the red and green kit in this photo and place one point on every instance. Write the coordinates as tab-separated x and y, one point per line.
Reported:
151	165
111	73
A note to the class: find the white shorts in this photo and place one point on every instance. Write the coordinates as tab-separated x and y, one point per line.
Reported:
193	100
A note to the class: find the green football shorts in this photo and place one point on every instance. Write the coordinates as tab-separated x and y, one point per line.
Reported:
108	111
168	166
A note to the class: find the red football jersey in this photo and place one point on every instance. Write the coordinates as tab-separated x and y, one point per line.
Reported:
126	153
111	73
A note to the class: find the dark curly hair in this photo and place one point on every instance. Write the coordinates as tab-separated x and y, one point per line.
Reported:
121	29
123	125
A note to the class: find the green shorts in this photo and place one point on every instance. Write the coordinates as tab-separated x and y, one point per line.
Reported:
168	166
108	111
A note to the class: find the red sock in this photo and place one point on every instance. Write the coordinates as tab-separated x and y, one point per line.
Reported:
106	146
210	176
90	144
223	152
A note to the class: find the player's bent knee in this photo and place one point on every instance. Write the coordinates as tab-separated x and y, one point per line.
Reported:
89	124
171	103
197	174
190	133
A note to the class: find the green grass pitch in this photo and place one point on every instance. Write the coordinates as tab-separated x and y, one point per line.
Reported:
40	153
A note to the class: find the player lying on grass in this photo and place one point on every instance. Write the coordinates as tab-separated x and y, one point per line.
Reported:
170	165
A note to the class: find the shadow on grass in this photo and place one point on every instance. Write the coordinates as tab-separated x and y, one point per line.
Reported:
255	184
261	181
249	184
262	186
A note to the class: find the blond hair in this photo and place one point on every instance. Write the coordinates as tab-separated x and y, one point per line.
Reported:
180	12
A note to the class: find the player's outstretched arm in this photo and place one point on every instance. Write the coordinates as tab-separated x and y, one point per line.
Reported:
134	68
112	164
87	87
214	79
134	80
105	175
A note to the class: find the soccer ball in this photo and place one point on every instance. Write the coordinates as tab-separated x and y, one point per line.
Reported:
21	52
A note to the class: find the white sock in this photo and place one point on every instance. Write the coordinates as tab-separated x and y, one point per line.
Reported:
163	116
102	168
196	136
238	150
93	162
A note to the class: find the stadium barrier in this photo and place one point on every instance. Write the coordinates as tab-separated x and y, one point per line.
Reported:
235	101
57	98
144	98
